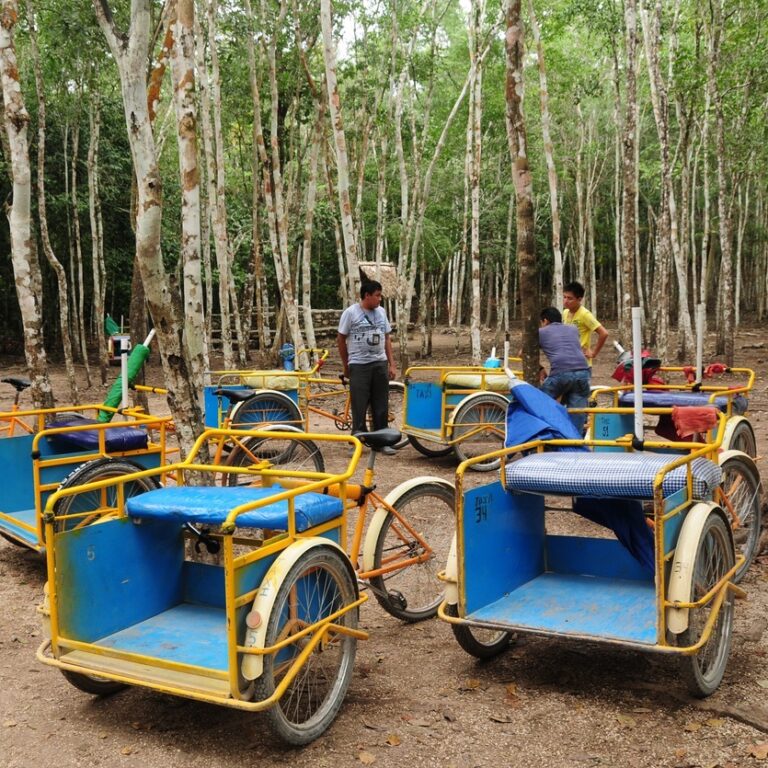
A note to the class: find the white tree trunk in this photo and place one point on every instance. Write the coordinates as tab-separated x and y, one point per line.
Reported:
26	268
129	53
183	78
340	144
61	275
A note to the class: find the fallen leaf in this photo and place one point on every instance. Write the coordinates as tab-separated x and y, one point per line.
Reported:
626	720
692	727
763	683
371	726
511	689
642	710
393	740
366	758
714	722
500	718
9	723
422	722
680	753
470	685
126	750
759	751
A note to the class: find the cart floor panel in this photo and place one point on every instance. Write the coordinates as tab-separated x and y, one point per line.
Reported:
587	606
25	516
189	634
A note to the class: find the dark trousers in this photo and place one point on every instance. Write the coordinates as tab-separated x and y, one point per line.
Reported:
369	386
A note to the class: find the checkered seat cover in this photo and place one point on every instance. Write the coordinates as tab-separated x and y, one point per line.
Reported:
211	505
663	398
607	475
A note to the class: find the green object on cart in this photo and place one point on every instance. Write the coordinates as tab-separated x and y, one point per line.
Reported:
136	360
110	326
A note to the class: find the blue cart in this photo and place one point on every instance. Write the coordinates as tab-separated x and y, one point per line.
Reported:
665	583
457	409
239	595
67	447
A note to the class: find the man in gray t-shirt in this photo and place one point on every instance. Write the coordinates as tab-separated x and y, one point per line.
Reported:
365	349
569	375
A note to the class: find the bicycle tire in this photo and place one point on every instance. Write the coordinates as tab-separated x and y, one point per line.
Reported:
318	584
265	407
281	451
413	592
704	670
478	428
741	491
100	498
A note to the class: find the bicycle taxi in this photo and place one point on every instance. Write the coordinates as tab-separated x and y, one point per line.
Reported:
302	398
694	394
457	409
131	598
664	583
45	449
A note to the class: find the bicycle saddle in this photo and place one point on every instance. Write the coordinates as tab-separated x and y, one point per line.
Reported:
381	438
17	382
234	395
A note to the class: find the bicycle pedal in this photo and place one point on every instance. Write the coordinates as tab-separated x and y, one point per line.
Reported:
399	598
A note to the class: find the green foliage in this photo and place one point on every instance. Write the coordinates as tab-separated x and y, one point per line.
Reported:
583	42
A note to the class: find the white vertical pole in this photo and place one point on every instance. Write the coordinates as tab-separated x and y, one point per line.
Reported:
637	369
124	377
701	310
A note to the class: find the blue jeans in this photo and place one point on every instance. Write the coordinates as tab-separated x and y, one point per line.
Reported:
572	387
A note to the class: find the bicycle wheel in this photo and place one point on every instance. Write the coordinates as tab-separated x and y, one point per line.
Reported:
477	641
317	585
265	407
743	439
281	451
478	428
413	592
97	500
704	670
96	686
331	401
432	450
741	501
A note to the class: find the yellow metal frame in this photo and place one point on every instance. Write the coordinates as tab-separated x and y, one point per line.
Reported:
50	649
716	595
305	380
41	416
713	391
447	390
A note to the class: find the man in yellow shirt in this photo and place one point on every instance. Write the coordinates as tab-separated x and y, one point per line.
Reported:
586	323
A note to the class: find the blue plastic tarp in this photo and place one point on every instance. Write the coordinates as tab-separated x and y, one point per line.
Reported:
534	415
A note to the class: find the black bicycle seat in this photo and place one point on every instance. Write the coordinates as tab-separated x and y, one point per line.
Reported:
381	438
17	382
234	395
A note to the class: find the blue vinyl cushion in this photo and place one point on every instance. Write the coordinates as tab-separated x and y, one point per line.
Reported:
116	438
607	475
211	505
662	398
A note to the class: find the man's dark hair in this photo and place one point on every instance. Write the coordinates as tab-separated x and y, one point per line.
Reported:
368	287
551	315
576	288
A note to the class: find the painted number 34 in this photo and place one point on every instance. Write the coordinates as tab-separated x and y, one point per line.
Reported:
481	508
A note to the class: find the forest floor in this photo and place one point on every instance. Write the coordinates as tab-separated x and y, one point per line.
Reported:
416	698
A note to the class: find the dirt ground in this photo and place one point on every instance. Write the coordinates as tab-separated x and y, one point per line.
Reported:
416	698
